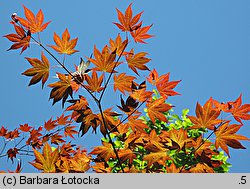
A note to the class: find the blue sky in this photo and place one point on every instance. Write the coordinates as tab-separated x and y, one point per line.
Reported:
203	43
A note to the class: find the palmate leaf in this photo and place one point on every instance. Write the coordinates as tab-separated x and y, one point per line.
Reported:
226	136
126	154
123	82
61	89
94	82
118	45
127	21
140	34
159	157
180	137
201	168
20	38
157	108
32	22
40	70
64	45
163	85
46	161
80	163
105	151
239	111
206	116
105	60
137	61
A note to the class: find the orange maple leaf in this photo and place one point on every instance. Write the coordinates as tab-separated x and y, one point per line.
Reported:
159	157
153	142
239	111
12	152
50	124
101	167
123	82
153	77
20	38
140	34
136	124
23	128
172	169
127	21
78	104
64	45
56	139
163	85
12	134
126	154
105	152
40	70
32	22
157	108
94	83
202	146
139	92
118	45
137	61
225	136
69	131
206	116
61	89
3	131
46	161
105	60
80	163
141	95
63	120
180	137
201	168
89	119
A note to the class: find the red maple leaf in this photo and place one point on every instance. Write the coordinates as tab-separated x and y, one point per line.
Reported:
40	70
127	21
157	108
239	111
20	38
32	22
140	34
64	45
225	136
105	60
206	116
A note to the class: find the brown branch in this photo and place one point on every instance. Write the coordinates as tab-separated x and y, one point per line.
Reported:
110	139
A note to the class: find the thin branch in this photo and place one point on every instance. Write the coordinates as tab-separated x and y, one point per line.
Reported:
61	64
113	69
110	139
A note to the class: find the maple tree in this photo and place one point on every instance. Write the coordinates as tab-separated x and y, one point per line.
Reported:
153	140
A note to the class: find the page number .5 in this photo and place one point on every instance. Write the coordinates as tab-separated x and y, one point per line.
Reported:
243	180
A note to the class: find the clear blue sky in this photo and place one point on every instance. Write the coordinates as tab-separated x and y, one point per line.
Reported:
203	43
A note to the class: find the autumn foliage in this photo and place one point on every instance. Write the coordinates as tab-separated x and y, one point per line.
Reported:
141	133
